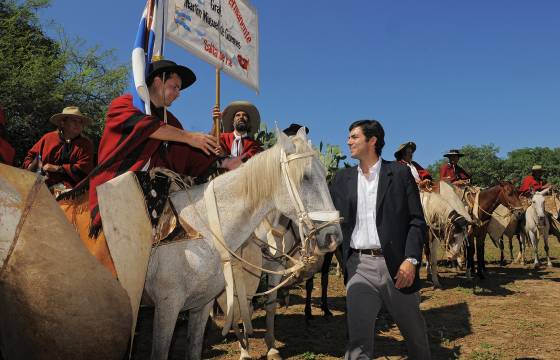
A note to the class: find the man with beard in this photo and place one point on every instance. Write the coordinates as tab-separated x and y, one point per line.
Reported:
241	121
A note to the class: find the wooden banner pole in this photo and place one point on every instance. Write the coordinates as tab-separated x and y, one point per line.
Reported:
217	123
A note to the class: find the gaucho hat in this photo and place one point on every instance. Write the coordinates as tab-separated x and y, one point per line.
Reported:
398	153
167	66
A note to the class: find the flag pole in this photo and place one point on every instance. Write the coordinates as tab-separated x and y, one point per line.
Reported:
217	122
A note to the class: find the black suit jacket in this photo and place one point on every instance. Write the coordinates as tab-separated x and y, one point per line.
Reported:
400	218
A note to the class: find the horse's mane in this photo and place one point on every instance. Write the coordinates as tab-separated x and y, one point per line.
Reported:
260	176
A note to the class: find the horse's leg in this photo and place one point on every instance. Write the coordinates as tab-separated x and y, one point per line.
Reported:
480	255
325	283
338	255
546	248
534	236
270	340
501	244
510	239
167	307
522	246
434	246
308	290
243	340
195	330
470	256
427	254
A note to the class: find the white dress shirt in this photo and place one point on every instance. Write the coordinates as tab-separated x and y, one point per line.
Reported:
237	145
413	171
364	235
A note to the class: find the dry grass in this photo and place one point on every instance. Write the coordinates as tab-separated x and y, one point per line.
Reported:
513	314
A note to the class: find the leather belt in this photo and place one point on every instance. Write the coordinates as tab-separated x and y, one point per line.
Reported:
372	252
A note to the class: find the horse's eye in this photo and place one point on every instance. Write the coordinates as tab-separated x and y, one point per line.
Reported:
306	177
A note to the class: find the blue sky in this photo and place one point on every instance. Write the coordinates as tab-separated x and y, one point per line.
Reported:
441	73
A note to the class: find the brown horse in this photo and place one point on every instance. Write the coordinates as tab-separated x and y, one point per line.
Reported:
505	194
77	212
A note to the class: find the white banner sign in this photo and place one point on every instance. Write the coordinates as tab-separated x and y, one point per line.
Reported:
221	32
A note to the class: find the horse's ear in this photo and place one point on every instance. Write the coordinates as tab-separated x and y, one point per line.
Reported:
302	133
285	141
544	192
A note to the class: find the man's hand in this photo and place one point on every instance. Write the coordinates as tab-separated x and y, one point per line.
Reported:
405	276
231	163
216	113
206	143
425	184
52	168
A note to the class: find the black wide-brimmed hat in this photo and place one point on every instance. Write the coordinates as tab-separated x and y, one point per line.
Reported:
453	152
167	66
398	153
293	129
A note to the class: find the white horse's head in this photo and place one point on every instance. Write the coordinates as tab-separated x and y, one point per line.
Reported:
457	235
537	202
291	173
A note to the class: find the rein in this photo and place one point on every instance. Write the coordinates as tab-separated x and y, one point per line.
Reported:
307	228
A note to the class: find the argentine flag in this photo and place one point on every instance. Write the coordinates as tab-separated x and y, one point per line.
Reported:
148	47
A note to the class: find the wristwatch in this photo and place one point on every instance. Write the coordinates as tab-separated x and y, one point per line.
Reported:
412	260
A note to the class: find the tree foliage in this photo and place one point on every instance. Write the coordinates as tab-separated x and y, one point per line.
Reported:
40	76
330	157
486	167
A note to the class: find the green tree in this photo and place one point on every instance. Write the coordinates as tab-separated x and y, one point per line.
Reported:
267	138
481	162
486	167
41	75
330	157
519	162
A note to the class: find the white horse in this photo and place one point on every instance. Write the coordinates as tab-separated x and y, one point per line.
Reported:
283	247
536	224
280	246
188	275
447	226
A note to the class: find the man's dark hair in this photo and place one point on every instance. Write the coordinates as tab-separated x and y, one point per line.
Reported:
371	128
167	74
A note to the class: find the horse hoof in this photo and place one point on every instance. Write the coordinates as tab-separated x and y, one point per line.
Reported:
245	356
481	276
273	354
326	312
549	264
307	312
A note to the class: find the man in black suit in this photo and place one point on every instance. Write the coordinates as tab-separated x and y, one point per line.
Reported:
383	235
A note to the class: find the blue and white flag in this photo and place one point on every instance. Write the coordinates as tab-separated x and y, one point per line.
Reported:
148	47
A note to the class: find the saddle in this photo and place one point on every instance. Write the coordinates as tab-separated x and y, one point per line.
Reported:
157	185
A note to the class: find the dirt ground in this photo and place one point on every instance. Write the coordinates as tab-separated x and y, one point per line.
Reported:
512	314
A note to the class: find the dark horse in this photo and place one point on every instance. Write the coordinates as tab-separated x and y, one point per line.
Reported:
505	194
324	285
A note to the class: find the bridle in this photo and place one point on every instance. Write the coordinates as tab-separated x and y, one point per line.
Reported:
307	220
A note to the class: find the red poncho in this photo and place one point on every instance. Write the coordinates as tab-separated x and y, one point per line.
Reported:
7	152
452	173
423	173
250	146
75	157
530	184
126	146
